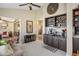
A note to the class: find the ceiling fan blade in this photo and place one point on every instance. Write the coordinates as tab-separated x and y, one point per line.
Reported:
35	5
22	4
30	7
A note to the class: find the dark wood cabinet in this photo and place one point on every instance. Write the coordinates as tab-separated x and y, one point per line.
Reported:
75	44
50	38
62	44
45	39
29	38
55	41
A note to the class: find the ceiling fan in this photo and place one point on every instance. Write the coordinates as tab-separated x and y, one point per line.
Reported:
30	5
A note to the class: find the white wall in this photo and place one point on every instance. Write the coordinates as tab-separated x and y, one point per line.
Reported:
10	27
61	10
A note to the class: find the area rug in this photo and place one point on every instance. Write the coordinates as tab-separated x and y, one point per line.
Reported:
52	49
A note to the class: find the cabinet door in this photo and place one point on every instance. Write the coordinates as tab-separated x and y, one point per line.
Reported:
50	40
62	44
45	39
75	44
33	37
55	42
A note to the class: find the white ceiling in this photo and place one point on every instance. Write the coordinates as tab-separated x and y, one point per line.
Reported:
15	6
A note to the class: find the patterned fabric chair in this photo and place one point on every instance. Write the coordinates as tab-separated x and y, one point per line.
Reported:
17	48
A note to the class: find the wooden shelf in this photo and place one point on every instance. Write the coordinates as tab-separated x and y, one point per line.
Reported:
76	20
58	21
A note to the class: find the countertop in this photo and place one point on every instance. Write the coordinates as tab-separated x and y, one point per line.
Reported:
55	35
76	36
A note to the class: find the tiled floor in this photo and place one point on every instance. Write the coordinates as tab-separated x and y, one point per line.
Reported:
37	48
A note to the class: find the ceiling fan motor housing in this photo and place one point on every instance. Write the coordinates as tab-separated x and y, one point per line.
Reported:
30	5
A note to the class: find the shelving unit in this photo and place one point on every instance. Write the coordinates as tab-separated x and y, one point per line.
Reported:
50	21
58	42
61	20
58	21
76	21
76	32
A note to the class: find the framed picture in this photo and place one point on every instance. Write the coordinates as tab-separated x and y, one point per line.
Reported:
29	26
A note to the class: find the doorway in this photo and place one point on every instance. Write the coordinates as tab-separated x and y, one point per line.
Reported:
40	30
17	29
